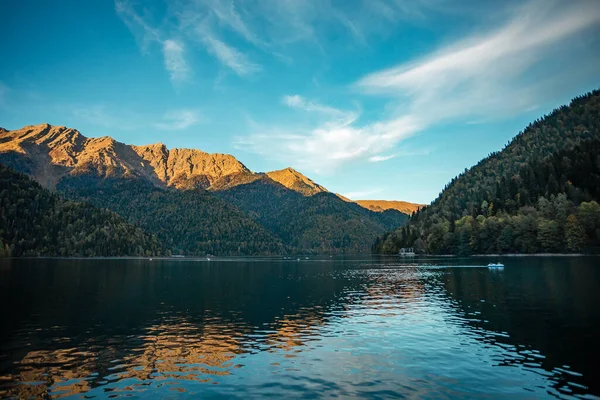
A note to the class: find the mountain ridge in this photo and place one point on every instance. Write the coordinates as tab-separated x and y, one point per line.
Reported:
382	205
51	152
194	202
55	151
296	181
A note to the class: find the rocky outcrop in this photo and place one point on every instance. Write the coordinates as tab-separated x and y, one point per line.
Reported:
51	152
382	205
294	180
48	153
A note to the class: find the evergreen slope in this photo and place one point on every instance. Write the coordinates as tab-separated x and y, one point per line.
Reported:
321	223
190	222
35	222
188	198
538	194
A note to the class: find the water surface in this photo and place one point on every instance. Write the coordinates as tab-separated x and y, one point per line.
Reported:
316	328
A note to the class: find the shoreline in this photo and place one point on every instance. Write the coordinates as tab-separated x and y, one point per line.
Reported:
296	258
534	255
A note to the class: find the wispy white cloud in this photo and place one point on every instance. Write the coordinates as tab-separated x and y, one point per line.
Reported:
173	50
381	158
230	56
334	115
226	12
99	115
233	31
175	63
138	25
179	119
106	117
484	74
329	145
299	102
490	74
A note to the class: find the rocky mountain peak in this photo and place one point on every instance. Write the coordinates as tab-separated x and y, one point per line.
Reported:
294	180
51	152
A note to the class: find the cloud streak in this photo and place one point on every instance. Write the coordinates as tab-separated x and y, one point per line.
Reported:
172	50
374	159
331	144
483	74
178	120
230	57
102	116
237	33
492	74
174	60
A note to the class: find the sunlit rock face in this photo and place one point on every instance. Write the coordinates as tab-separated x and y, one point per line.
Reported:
382	205
294	180
50	152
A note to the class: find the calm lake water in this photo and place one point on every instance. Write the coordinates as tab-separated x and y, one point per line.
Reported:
354	328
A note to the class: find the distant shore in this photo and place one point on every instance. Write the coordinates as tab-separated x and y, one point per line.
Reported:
534	255
314	257
502	255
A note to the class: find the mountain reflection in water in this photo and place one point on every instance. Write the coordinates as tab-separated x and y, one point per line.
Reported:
372	328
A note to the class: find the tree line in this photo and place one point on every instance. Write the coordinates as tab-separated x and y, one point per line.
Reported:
539	194
36	222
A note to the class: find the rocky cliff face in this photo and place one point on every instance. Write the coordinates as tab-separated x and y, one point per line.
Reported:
294	180
50	152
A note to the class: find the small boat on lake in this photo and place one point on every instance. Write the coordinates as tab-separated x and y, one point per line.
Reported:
495	265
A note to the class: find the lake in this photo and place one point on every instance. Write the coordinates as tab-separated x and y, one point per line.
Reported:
365	327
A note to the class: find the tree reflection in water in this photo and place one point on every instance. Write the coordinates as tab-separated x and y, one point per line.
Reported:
354	328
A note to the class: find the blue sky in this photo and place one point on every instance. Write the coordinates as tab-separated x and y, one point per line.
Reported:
374	99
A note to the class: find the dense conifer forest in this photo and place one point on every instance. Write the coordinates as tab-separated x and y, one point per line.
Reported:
259	218
539	194
321	223
190	222
36	222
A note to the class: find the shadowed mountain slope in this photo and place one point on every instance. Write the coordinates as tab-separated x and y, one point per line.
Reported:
34	222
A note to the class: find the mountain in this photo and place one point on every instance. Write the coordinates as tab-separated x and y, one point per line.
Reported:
321	223
49	153
539	194
190	222
194	202
382	205
297	182
34	222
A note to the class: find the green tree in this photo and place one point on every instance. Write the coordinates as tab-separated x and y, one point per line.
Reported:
574	234
589	215
549	235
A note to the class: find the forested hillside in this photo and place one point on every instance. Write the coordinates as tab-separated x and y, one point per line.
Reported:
261	217
34	222
191	222
321	223
537	195
195	203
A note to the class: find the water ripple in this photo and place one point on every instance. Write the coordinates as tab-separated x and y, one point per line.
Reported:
369	331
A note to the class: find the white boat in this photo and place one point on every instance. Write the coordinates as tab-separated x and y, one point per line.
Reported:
495	265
